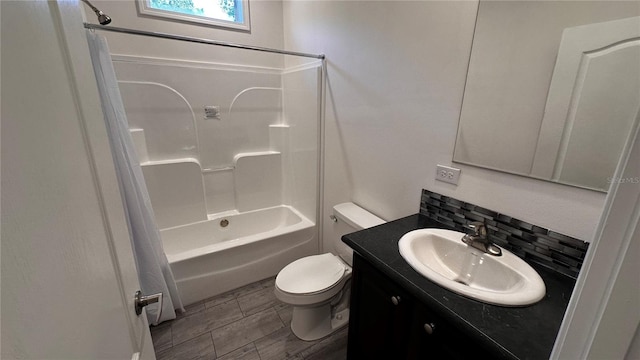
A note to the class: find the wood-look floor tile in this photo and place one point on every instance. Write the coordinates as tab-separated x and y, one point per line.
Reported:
191	310
285	311
161	336
195	307
281	344
187	328
222	314
259	285
257	301
220	319
333	347
295	357
248	352
200	347
191	326
220	299
245	331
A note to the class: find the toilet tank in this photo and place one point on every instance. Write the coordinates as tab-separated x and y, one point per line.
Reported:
349	218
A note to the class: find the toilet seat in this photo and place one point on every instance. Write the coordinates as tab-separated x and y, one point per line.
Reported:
311	275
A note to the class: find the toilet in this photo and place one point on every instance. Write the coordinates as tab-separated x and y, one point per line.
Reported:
318	286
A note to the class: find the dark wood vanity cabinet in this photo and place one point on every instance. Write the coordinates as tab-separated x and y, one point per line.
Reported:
386	322
380	316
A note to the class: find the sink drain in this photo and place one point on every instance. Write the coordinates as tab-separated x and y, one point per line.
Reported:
224	223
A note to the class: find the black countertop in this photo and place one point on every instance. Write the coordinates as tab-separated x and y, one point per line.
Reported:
512	332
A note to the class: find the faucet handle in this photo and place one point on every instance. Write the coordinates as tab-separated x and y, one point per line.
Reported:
479	228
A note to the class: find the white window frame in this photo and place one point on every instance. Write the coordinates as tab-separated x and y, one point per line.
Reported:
145	9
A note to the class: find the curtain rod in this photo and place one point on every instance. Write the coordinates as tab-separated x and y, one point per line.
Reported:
197	40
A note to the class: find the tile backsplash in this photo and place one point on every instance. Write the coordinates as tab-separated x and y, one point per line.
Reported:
550	249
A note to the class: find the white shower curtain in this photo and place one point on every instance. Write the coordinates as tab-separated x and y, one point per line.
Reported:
154	272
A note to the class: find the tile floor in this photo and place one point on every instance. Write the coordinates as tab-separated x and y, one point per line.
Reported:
247	323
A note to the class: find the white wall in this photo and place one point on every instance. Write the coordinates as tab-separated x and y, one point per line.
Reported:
266	31
395	79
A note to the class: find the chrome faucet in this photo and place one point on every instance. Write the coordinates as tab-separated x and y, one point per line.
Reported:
479	239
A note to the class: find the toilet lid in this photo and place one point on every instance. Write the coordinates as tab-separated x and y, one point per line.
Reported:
310	274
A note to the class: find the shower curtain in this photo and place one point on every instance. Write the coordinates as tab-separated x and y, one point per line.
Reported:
154	272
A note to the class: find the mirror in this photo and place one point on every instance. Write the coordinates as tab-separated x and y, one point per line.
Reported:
553	89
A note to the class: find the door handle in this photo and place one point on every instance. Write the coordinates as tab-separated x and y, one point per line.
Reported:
140	301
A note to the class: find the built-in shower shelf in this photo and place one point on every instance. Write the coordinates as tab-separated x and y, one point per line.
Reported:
216	169
254	154
170	161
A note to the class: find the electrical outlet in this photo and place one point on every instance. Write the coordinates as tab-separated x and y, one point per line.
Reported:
447	174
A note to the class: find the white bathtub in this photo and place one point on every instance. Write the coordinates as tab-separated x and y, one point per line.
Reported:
208	258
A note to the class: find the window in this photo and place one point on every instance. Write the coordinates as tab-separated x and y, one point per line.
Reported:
222	13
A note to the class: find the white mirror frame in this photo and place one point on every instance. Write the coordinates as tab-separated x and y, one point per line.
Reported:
145	9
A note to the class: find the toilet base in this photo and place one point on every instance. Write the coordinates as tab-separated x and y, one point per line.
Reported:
312	323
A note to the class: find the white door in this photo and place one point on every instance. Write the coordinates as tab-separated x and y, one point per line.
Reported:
68	274
603	317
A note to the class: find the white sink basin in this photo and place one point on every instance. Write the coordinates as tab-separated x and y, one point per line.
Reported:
442	257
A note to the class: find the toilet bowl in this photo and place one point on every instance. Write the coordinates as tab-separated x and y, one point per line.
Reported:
318	286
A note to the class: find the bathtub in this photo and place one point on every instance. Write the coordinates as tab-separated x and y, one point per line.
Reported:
231	250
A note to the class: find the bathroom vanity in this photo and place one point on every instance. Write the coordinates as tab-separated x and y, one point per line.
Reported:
396	313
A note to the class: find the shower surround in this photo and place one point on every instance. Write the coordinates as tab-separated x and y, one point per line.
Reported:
230	155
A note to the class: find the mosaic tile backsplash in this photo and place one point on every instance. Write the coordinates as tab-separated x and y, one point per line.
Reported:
536	244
